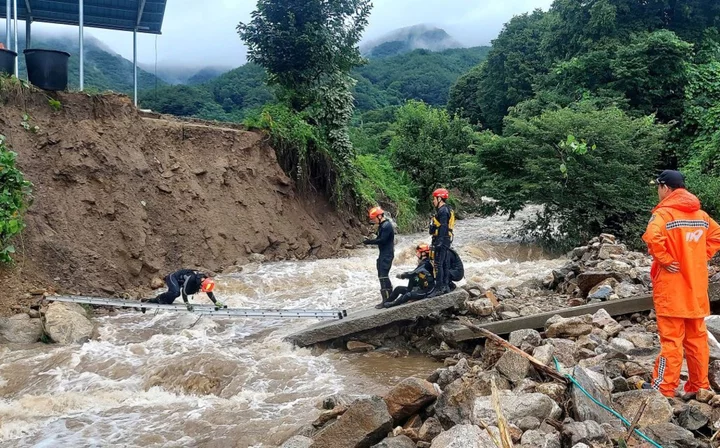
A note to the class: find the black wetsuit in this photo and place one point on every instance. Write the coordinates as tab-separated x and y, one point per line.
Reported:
184	282
420	286
385	242
441	244
456	269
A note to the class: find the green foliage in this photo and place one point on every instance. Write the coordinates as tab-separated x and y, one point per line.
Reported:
15	197
26	123
378	182
587	185
427	145
55	104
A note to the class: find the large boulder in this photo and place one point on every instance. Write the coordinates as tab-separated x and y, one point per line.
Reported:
409	396
571	327
20	329
455	405
67	323
464	436
669	435
600	388
658	409
396	442
366	422
515	407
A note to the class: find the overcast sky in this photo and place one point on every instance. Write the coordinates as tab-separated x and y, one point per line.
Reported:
202	32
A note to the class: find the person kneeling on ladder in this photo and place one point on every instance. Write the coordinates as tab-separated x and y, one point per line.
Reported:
186	282
421	282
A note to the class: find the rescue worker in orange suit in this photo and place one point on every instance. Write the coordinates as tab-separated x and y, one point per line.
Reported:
421	282
186	282
385	241
681	239
441	229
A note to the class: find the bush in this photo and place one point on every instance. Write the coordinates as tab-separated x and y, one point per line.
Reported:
379	183
590	169
15	197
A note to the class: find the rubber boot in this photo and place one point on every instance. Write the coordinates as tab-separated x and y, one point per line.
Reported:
385	294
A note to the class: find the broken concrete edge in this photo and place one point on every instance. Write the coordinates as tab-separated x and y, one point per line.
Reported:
368	319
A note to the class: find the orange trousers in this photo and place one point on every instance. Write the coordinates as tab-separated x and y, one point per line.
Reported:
678	335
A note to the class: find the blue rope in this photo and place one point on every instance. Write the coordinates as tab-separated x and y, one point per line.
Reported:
610	410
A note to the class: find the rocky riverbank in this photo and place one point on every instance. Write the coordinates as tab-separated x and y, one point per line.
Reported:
63	323
549	388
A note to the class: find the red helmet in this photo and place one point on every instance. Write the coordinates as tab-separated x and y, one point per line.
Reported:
441	193
375	212
207	285
422	249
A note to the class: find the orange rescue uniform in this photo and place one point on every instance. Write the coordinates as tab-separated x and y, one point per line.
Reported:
679	231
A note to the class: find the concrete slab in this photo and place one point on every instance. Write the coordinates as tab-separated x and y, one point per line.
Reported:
357	321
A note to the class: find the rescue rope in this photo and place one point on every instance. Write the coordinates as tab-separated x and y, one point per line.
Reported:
610	410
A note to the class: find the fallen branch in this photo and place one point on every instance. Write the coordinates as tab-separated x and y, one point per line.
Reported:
637	418
502	342
505	437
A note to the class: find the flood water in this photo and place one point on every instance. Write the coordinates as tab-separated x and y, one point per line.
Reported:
169	380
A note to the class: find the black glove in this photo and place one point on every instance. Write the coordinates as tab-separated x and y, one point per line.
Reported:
367	241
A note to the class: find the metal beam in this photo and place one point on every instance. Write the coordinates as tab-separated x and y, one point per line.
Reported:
141	10
15	37
29	10
28	33
7	24
135	69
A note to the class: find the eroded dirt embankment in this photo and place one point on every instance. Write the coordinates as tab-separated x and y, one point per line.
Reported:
120	199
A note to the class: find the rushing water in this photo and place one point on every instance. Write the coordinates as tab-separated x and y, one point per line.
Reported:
169	380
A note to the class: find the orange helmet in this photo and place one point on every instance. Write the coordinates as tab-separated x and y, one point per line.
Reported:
375	212
207	285
441	193
422	249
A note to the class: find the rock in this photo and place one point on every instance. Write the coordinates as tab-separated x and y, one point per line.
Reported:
449	375
514	366
625	290
366	422
640	340
588	342
257	258
20	329
620	384
524	339
599	387
715	375
430	429
482	307
572	327
553	390
329	415
544	354
453	332
455	405
695	416
476	292
589	432
704	395
588	280
529	310
359	347
539	439
604	321
516	407
634	369
525	386
528	423
507	315
601	292
669	435
621	345
464	436
608	250
615	266
580	445
658	409
335	400
409	396
67	323
297	442
396	442
422	444
564	351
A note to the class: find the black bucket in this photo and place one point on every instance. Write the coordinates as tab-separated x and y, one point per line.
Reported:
7	61
47	69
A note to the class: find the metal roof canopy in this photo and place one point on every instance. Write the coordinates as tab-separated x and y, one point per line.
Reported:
138	16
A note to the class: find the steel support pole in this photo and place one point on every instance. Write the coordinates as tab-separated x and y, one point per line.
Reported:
7	24
82	46
15	37
28	33
135	68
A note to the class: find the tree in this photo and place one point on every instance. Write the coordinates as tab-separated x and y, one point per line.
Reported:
427	144
308	48
588	167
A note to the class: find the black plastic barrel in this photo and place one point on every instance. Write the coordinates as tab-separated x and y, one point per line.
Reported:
7	61
47	69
